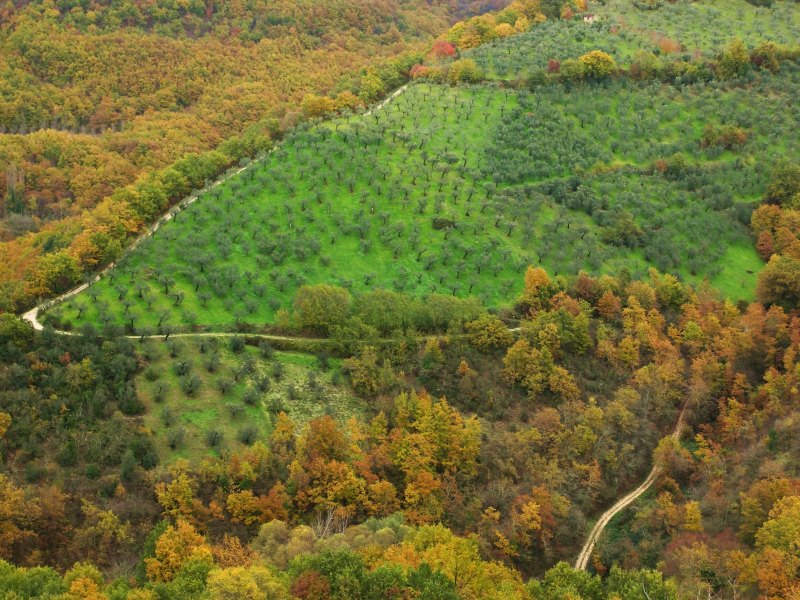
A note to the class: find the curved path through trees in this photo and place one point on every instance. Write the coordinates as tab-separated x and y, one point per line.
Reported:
622	504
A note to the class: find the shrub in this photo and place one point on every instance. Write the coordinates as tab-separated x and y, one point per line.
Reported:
597	64
237	344
648	4
734	61
144	450
34	472
442	49
266	350
318	307
262	384
14	330
276	405
465	70
765	56
127	467
784	185
779	282
645	65
167	417
175	438
572	70
251	397
317	106
277	371
68	456
131	405
248	435
724	136
214	438
488	333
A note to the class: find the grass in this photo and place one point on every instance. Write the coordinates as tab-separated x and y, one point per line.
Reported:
549	178
739	266
303	390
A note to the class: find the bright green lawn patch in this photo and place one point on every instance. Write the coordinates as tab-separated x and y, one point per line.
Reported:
457	190
182	424
740	264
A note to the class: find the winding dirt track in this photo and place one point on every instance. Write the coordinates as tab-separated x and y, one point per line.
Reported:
622	504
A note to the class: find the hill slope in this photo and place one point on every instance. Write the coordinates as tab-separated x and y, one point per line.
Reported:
456	190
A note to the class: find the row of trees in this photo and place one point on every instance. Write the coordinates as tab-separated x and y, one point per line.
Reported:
704	29
638	40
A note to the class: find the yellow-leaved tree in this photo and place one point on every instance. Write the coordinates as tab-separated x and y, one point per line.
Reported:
597	64
176	547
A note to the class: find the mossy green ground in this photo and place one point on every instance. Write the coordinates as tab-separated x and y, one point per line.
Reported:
303	390
552	177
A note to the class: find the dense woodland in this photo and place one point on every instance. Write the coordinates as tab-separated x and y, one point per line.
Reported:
417	349
566	414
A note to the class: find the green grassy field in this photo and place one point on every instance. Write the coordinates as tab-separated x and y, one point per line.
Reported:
232	406
456	190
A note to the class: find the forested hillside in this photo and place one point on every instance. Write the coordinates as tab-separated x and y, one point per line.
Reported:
465	288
